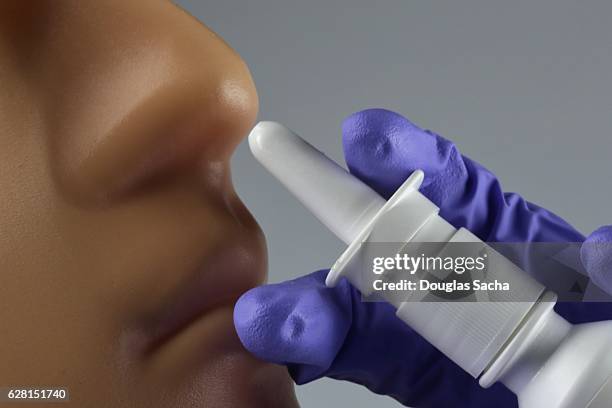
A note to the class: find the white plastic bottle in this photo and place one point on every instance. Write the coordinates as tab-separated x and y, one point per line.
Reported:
523	343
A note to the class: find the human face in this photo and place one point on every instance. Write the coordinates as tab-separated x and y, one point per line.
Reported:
123	245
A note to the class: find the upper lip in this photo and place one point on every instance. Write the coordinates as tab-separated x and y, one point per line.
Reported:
232	268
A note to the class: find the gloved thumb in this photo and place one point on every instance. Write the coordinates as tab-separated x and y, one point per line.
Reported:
277	323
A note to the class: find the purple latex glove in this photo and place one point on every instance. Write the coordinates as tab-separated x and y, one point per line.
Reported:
596	255
317	331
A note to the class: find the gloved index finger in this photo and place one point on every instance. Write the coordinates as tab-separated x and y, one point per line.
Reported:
383	148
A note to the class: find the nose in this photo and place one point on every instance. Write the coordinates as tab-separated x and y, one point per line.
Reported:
139	92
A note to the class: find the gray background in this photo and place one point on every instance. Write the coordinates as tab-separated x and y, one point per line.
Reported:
522	87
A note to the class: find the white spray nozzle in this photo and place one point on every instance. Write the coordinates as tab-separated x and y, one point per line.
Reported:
343	203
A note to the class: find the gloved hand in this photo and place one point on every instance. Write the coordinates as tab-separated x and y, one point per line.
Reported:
318	331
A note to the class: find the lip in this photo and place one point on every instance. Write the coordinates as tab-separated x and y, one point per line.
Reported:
226	272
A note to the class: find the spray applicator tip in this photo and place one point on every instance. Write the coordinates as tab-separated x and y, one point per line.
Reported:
340	201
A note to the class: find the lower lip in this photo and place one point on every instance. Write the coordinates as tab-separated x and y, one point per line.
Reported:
208	347
208	363
208	337
231	271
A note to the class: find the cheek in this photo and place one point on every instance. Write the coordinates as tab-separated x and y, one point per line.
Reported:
47	322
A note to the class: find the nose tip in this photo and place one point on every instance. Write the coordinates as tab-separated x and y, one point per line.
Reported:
234	111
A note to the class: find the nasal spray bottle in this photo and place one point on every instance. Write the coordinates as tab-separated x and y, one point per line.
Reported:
542	358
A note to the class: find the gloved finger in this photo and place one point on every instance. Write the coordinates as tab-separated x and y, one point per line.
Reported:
318	331
276	323
383	148
596	256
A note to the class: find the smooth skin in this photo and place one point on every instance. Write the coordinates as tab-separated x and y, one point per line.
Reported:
123	246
